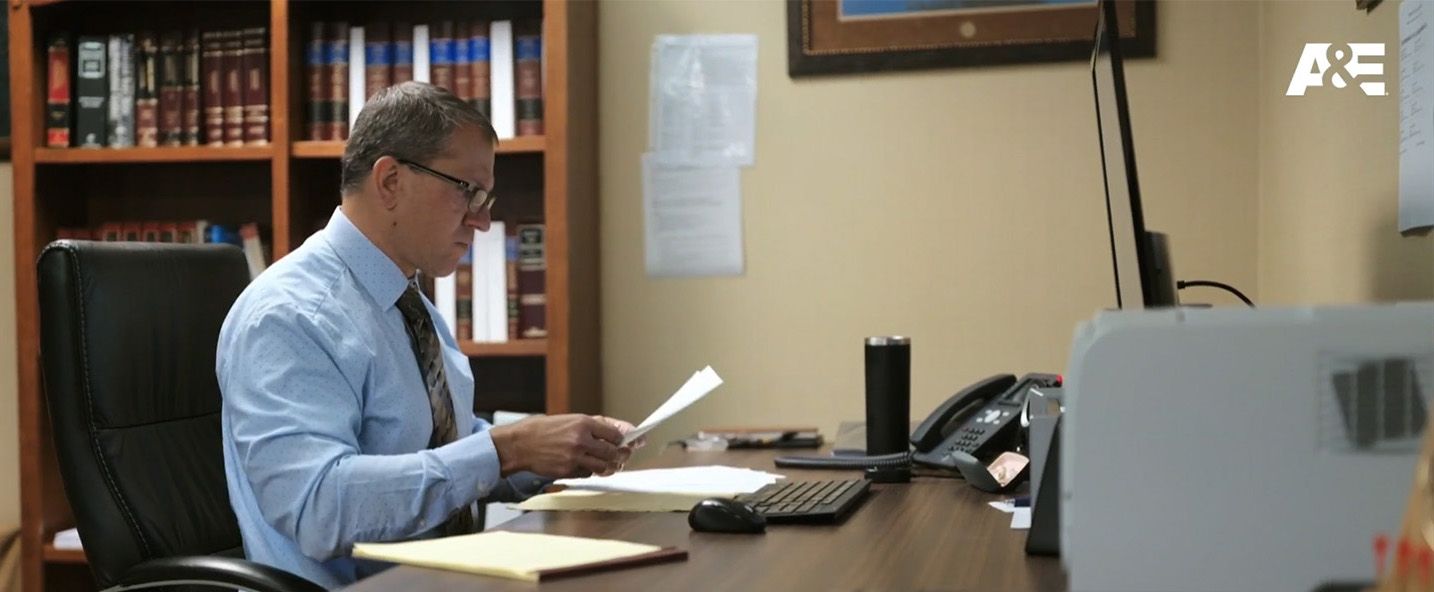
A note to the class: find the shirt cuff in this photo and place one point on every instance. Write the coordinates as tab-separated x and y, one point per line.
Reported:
472	466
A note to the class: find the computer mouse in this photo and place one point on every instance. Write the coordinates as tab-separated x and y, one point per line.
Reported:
725	515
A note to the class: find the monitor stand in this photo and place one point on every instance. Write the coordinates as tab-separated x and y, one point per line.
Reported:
1162	280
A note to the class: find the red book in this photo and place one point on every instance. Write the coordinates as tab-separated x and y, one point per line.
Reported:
479	65
528	70
316	69
402	52
256	86
440	55
377	58
111	231
212	85
232	62
149	232
146	102
338	83
171	90
57	99
532	282
190	83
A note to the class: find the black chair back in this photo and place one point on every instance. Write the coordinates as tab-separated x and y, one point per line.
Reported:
128	338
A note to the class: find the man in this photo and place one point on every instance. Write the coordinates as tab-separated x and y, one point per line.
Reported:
347	405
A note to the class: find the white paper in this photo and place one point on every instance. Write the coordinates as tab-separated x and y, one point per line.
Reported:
358	77
703	99
1416	120
1006	506
1021	518
714	480
696	387
68	539
693	220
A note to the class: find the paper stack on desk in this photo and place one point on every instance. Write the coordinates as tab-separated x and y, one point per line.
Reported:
712	480
519	555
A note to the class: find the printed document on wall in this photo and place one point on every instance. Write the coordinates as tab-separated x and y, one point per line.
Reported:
703	99
693	219
1416	120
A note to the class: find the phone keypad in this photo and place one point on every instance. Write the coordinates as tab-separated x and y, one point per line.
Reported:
969	439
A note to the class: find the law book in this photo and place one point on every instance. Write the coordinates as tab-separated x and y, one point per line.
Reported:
500	43
111	231
528	51
167	232
146	101
171	90
256	86
479	64
121	116
253	249
131	231
232	62
149	231
462	56
211	85
464	280
402	52
316	101
525	556
510	260
532	282
445	300
190	82
493	253
420	53
57	95
92	92
440	54
337	58
378	57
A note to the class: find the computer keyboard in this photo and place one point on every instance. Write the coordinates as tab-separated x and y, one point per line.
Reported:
808	501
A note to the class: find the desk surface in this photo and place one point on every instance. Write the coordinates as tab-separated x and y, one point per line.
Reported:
930	534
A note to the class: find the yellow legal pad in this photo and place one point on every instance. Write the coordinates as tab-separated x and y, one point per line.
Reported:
519	555
611	501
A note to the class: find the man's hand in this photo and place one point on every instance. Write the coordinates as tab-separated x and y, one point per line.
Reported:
624	428
560	446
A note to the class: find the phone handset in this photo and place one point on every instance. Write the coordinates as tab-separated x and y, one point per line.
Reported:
928	434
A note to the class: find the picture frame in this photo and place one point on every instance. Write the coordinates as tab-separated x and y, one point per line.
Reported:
827	37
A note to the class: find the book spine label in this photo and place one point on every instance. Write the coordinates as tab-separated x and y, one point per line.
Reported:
528	49
57	96
316	70
402	52
171	91
212	85
233	60
121	119
256	86
146	103
91	92
337	89
190	83
378	58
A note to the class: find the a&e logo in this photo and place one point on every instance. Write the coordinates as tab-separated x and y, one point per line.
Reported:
1338	64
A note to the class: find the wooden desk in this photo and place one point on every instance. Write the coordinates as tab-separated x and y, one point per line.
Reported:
930	534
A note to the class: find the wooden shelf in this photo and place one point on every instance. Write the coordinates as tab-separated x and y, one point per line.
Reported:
516	347
519	145
164	154
53	555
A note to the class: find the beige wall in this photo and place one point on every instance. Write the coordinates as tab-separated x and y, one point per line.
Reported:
1329	165
960	207
9	412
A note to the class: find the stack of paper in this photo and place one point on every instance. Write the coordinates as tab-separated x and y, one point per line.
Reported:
68	539
696	387
711	480
520	556
581	500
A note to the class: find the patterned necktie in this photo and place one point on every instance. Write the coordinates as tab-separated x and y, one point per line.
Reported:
430	362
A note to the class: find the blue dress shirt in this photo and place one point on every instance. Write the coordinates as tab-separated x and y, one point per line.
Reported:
326	420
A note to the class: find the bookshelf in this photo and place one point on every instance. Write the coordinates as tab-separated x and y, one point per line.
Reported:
290	187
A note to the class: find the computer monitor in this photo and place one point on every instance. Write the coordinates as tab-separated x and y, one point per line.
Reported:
1143	277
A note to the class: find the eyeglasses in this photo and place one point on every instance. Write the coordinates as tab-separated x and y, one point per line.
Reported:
479	199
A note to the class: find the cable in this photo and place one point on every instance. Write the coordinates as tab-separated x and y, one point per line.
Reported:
1182	284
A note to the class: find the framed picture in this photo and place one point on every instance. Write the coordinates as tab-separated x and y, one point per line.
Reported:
846	36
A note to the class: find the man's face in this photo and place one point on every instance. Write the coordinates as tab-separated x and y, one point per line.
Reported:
433	222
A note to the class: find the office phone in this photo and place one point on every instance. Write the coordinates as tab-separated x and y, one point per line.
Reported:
978	422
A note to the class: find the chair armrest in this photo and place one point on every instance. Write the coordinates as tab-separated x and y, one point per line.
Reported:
220	572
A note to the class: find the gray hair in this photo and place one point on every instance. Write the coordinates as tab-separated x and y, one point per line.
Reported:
411	121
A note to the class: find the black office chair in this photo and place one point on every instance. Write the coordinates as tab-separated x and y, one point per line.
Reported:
128	333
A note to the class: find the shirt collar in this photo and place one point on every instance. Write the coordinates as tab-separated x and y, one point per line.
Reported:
378	274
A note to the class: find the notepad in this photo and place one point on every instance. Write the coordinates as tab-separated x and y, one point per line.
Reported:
530	557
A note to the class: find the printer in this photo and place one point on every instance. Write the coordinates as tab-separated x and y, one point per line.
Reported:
1240	449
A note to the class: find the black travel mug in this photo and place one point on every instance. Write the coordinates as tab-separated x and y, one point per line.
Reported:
888	394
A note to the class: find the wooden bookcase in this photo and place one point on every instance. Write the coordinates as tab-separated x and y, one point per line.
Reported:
291	187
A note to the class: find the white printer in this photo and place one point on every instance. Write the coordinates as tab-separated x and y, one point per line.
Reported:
1240	449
